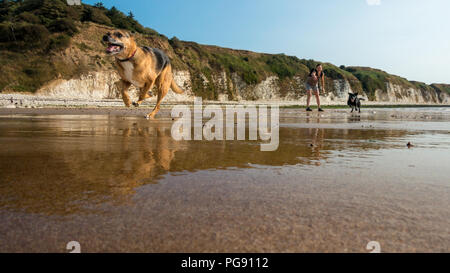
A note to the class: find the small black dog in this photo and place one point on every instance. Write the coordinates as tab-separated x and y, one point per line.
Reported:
354	102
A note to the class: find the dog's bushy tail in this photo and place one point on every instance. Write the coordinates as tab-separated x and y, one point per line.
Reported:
176	88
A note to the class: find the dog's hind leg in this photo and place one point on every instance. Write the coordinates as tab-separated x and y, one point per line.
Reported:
143	93
163	83
161	95
123	87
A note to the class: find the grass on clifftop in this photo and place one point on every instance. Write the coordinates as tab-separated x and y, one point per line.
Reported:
441	87
374	79
33	32
31	24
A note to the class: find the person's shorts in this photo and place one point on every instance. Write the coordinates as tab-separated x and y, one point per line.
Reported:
314	88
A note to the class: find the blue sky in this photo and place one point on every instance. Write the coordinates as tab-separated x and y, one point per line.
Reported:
409	38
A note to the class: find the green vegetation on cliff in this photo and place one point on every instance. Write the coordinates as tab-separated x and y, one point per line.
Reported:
32	24
375	79
445	88
203	60
34	32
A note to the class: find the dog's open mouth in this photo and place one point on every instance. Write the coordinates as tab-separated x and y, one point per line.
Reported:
114	48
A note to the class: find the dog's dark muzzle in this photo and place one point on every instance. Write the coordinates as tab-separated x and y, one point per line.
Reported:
113	47
108	39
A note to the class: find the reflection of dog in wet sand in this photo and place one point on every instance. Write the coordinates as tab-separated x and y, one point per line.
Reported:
143	67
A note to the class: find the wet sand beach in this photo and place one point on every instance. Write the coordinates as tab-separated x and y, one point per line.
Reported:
116	182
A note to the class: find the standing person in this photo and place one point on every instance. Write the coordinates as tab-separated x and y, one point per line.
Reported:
315	82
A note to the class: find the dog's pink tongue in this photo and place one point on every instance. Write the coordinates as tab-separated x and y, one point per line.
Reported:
111	48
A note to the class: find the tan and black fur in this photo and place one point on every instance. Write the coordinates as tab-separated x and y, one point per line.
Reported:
144	67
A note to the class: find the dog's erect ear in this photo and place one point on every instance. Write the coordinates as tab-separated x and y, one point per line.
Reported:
127	34
350	93
356	94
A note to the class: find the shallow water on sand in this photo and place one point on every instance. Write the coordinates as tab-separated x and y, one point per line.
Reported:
119	184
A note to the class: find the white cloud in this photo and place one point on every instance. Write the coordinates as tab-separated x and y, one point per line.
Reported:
373	2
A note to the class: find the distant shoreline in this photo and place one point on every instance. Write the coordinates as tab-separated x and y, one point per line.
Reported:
165	112
375	106
19	101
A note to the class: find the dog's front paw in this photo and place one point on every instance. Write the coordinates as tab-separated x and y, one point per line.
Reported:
150	117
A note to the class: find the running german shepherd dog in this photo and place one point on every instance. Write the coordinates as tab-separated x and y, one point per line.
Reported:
354	102
141	66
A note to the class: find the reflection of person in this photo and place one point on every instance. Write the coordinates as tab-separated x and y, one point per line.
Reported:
317	144
315	82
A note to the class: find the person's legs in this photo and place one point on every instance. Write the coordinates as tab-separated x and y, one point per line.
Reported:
308	98
317	98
